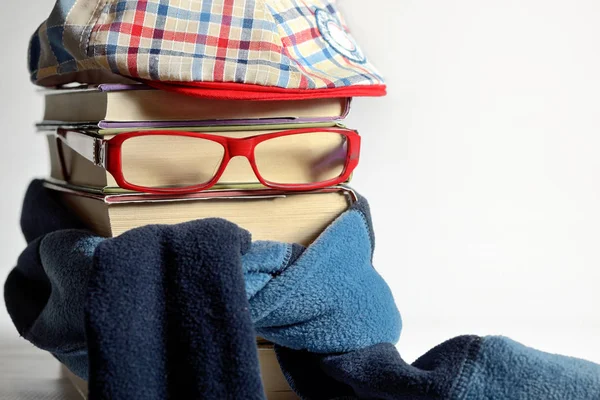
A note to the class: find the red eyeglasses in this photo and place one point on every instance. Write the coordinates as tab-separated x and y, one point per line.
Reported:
172	162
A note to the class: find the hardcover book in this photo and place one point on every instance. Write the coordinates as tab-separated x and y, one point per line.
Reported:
267	214
123	106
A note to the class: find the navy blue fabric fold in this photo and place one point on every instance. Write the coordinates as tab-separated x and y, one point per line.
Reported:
179	327
377	372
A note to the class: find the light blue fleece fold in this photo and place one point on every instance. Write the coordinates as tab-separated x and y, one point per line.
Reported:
506	370
262	262
330	299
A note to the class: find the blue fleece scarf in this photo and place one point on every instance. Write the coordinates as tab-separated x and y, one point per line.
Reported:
170	312
106	307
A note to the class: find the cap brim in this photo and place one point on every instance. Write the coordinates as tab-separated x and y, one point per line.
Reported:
243	91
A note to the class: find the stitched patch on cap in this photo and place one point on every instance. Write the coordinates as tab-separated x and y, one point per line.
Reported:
334	34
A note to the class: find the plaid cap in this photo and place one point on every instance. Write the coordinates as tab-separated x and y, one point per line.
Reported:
246	49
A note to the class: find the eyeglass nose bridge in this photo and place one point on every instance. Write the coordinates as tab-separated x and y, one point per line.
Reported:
240	147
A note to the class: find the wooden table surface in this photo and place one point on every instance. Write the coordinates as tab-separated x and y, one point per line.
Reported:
27	373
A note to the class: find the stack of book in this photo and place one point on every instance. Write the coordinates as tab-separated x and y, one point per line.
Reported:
124	156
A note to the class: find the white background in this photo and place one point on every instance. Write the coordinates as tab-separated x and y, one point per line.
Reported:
482	164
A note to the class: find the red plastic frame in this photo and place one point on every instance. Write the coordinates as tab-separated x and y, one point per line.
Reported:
233	147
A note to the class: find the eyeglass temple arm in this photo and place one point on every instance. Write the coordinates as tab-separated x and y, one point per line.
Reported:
89	147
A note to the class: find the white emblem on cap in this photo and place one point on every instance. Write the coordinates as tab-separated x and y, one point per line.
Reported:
334	34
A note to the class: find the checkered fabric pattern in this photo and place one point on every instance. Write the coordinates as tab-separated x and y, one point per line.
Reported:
291	44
